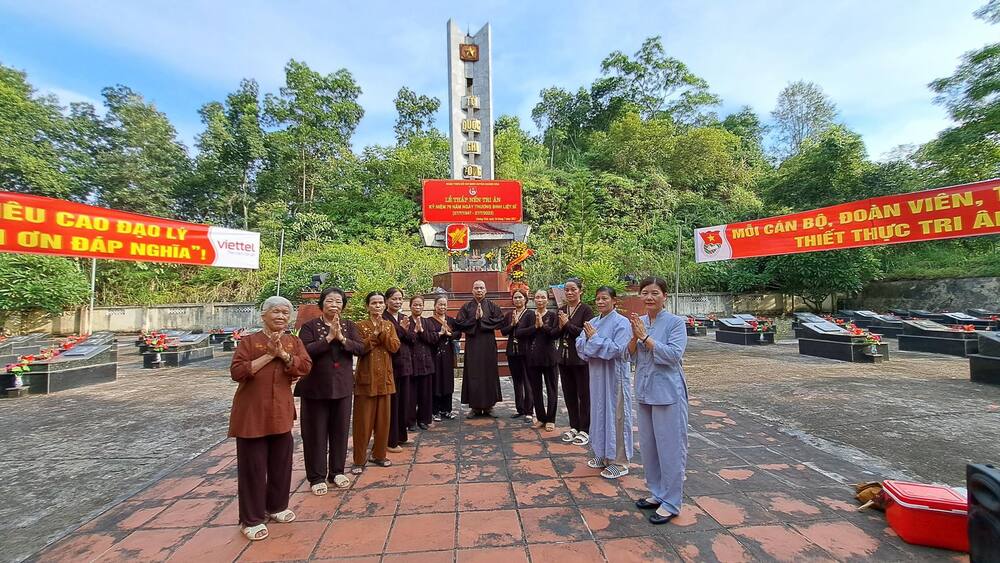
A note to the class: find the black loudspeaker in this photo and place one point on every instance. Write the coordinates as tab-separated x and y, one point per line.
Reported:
983	483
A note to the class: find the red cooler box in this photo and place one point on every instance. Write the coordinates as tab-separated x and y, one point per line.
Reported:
931	515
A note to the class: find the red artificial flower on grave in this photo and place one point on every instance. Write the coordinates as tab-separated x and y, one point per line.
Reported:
855	331
873	338
690	321
237	334
968	328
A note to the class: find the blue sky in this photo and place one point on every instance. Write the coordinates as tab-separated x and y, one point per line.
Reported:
873	58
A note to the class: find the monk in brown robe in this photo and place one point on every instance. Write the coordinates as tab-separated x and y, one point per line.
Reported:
265	365
332	342
373	385
479	319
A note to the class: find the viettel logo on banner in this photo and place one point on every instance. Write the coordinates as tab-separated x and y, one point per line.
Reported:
457	237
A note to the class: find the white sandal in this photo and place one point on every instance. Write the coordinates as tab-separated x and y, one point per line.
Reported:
253	533
341	481
284	517
569	435
581	439
319	489
597	463
614	471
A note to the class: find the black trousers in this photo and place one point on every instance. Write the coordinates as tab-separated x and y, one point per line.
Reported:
576	393
442	403
325	425
263	476
421	387
397	422
544	411
523	402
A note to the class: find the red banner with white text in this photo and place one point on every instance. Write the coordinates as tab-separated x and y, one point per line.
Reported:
958	211
472	201
41	225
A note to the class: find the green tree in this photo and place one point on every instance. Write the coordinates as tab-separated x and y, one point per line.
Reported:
32	285
142	163
817	275
402	168
632	147
971	150
803	111
31	129
828	170
316	116
563	119
415	114
746	125
231	152
656	84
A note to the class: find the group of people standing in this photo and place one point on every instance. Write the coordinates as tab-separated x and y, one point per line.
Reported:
404	381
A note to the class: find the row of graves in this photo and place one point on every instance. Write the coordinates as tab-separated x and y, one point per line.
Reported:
974	334
175	348
41	364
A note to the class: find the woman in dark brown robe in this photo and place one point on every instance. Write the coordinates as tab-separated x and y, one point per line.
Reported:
444	359
402	367
332	343
265	365
574	373
516	353
539	328
422	354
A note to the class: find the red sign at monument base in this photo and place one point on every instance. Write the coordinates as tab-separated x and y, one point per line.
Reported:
472	201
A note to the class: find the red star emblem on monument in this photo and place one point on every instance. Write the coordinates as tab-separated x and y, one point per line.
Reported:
457	237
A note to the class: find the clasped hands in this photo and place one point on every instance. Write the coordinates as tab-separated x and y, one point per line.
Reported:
638	327
275	350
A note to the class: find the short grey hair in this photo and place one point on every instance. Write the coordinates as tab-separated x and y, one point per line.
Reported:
275	301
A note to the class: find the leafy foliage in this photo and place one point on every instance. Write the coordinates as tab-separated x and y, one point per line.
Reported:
32	284
620	172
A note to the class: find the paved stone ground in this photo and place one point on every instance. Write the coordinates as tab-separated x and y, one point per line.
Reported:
67	456
774	440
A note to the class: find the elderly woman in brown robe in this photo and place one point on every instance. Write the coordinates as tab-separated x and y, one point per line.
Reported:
265	365
374	385
332	342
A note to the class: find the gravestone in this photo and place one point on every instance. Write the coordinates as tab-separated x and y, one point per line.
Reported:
984	366
829	340
887	326
964	319
738	331
921	335
87	363
798	319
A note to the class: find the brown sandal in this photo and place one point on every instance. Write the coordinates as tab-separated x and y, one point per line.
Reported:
382	462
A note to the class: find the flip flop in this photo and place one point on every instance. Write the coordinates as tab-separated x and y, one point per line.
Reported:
255	533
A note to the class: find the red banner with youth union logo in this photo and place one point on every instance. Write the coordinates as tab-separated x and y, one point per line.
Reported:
967	210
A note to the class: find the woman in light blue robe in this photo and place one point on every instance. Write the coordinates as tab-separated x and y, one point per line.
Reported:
657	346
603	344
